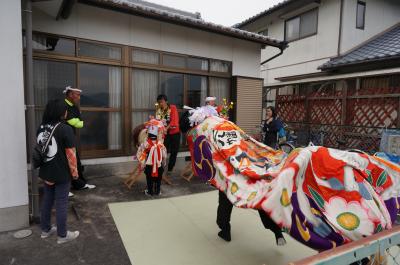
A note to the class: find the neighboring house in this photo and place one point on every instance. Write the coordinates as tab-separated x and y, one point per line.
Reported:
340	72
122	54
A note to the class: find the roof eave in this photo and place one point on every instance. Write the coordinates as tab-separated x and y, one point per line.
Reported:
359	63
178	21
264	13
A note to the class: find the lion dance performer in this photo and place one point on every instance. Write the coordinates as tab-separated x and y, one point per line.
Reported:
320	196
152	156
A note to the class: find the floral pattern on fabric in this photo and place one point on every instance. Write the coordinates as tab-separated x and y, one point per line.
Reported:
322	197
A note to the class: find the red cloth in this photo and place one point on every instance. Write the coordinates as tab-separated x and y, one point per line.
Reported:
174	120
154	152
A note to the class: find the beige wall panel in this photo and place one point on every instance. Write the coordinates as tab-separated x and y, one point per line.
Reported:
249	103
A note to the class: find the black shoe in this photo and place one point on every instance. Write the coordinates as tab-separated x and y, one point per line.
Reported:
225	235
280	240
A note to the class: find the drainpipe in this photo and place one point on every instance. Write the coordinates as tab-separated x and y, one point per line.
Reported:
282	48
340	28
30	107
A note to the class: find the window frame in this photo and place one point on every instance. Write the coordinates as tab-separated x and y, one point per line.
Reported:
316	9
133	63
98	43
220	74
361	3
127	66
50	52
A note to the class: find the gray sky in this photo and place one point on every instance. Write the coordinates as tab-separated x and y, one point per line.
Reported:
224	12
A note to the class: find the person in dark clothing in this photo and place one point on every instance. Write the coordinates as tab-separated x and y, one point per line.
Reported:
271	127
168	113
224	212
58	169
72	98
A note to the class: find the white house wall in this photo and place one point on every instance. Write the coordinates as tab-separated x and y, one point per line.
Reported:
379	16
305	55
115	27
13	177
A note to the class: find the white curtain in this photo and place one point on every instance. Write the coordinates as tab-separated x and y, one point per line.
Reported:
114	123
40	88
204	65
99	51
220	88
203	92
145	88
145	57
219	66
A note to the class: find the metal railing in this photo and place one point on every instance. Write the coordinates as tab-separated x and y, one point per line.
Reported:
366	139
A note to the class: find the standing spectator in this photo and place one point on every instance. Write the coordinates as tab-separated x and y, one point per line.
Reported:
271	127
72	98
59	167
210	103
168	113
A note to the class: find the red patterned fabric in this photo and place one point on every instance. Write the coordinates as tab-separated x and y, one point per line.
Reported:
71	157
174	123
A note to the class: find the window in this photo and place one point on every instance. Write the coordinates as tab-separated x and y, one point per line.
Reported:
53	44
101	102
109	111
101	85
219	66
197	90
172	87
49	80
145	89
147	57
197	64
263	32
360	20
101	51
292	29
220	88
174	61
302	26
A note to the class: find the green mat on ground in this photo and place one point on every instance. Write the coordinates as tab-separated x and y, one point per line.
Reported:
182	231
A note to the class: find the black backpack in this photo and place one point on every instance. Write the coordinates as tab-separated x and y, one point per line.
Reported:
39	152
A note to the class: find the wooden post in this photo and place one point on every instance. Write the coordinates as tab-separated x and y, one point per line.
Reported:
344	103
398	113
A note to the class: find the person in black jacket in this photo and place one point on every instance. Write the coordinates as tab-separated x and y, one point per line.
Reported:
271	127
72	98
60	166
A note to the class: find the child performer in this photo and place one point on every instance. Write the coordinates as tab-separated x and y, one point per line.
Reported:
152	156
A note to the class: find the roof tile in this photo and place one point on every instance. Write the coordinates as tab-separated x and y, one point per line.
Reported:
383	46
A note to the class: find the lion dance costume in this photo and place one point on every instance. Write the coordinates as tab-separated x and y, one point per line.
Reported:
322	197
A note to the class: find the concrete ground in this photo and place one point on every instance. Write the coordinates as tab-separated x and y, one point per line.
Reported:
100	241
182	230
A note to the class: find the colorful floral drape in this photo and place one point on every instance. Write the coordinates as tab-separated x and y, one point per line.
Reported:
322	197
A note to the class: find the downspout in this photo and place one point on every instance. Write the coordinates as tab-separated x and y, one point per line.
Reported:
281	48
30	108
340	28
